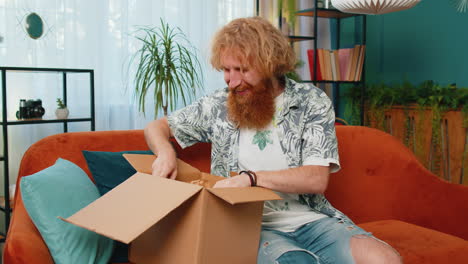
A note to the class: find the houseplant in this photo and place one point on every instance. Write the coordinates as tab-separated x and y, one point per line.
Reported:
62	111
168	68
287	11
429	118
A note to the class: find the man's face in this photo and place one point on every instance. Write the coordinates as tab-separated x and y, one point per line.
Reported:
250	101
237	75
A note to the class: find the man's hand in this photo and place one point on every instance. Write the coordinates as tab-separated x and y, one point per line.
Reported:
157	133
165	165
236	181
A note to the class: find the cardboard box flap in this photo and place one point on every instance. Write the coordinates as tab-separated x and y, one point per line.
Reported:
132	207
208	180
244	194
143	163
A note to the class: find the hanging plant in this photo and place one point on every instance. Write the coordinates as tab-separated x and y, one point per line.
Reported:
420	133
352	111
405	95
441	100
380	100
436	140
464	101
422	93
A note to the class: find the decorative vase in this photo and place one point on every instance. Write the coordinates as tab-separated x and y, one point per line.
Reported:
61	113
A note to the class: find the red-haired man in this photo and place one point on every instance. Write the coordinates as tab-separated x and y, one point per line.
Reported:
281	135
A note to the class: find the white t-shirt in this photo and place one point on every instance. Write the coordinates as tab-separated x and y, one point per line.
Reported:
261	150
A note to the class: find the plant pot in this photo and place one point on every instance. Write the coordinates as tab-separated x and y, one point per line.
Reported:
61	113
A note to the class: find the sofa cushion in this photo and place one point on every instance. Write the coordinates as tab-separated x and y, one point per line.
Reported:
110	169
61	190
417	244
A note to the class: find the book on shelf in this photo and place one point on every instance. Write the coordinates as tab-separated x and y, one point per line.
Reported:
310	56
362	55
354	59
338	65
321	63
326	62
344	56
333	66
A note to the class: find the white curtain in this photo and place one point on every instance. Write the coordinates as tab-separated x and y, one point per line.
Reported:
96	35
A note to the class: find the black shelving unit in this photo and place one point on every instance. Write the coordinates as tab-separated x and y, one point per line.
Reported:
317	13
6	208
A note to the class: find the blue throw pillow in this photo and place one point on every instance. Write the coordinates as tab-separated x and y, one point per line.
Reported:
110	169
62	190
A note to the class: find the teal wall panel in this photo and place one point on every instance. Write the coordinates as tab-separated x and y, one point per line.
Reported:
427	42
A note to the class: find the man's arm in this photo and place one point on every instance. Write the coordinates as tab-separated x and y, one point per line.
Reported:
157	135
305	179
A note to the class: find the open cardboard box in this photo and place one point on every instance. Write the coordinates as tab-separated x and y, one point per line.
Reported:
178	221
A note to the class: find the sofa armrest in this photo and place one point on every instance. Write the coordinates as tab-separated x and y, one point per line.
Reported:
381	179
426	200
24	243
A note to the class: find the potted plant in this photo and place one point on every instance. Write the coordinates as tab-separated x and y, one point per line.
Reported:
287	11
168	68
62	111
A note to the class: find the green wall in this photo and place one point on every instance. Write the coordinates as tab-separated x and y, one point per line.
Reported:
427	42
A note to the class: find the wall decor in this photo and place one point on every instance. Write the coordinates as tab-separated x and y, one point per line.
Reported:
34	26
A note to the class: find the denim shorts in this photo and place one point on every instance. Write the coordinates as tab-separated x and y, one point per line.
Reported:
324	241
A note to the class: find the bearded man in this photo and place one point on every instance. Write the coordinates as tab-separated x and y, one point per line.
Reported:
277	134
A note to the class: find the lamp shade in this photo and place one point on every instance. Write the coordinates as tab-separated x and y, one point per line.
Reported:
373	7
460	5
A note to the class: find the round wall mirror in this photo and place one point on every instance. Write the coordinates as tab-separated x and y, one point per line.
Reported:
34	25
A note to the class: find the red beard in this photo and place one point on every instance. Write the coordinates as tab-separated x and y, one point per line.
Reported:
255	108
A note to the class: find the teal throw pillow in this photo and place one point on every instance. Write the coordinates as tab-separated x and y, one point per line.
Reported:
62	190
110	169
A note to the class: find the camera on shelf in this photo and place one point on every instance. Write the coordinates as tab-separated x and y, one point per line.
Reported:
30	109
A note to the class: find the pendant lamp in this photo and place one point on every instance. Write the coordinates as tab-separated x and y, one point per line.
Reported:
460	5
373	7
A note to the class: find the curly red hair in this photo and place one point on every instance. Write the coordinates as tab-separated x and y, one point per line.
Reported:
256	43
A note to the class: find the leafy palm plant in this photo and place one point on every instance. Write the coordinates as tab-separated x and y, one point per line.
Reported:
168	66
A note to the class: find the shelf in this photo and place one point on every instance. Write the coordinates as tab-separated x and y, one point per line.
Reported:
2	204
45	120
299	38
322	12
23	69
50	118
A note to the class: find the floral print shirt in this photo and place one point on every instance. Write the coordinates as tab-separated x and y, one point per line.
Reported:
307	132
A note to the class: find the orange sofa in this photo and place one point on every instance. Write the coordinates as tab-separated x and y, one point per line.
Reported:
381	186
